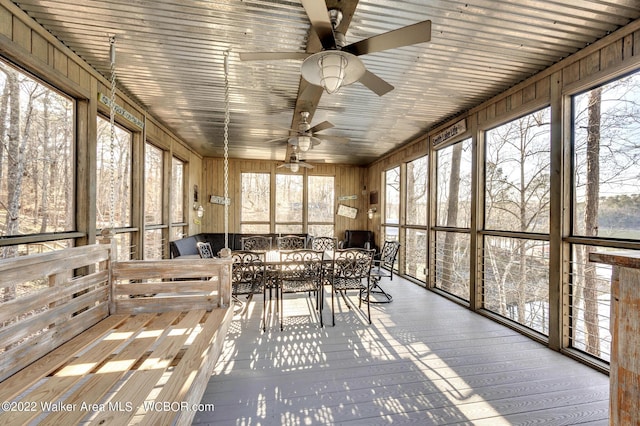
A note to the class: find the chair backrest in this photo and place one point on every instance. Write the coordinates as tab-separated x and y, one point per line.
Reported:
204	249
247	265
389	253
291	242
358	239
257	242
324	243
352	263
304	264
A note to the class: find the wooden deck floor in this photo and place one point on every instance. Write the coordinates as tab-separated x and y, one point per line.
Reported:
424	360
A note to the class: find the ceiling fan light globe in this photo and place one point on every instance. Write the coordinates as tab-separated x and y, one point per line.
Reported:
333	68
304	143
312	70
294	167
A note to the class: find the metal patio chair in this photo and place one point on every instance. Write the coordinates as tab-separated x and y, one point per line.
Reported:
351	271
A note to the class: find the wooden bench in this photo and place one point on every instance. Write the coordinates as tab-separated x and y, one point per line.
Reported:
110	342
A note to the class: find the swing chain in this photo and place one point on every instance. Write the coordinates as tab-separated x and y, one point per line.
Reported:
226	149
112	144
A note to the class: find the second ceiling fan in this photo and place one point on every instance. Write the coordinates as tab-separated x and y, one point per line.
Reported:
305	136
337	64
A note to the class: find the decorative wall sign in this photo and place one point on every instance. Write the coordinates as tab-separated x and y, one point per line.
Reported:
347	197
121	111
216	199
449	132
346	211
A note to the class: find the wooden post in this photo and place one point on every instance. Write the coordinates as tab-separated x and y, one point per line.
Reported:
108	237
624	397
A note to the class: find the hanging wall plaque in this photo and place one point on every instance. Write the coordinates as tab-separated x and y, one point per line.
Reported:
346	211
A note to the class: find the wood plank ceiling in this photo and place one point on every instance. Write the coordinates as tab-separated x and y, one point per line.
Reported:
170	60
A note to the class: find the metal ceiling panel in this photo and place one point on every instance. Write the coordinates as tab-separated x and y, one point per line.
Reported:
170	58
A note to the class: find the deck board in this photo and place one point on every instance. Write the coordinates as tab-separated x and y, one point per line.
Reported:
424	360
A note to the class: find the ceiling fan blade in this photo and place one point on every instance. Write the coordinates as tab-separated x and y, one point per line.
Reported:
303	164
405	36
330	138
375	83
321	126
277	140
272	56
319	17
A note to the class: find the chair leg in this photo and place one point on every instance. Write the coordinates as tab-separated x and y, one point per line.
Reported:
319	303
343	293
264	309
368	305
333	310
280	297
376	289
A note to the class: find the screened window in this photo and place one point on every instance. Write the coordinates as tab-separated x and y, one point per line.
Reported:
415	258
453	211
517	174
289	201
606	201
417	195
178	220
607	160
515	268
453	185
392	196
255	198
516	280
36	160
113	176
153	198
391	228
321	208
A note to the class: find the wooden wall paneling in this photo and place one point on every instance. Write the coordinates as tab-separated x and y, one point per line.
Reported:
39	47
481	116
21	34
571	73
60	62
528	93
6	22
179	150
73	72
543	88
590	65
611	55
211	184
195	170
501	107
627	47
516	100
350	181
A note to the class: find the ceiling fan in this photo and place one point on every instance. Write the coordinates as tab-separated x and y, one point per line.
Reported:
295	163
337	64
305	137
